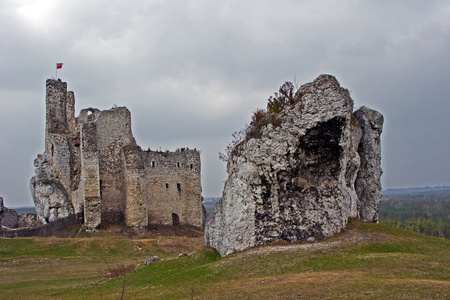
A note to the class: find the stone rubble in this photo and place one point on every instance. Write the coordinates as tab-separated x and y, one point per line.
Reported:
151	259
28	220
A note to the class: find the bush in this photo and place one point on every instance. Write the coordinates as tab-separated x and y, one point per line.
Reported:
283	98
275	104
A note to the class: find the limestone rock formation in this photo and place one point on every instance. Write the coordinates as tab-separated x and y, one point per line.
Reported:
293	175
50	198
368	184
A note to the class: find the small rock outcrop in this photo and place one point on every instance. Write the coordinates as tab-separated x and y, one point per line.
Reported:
151	259
293	175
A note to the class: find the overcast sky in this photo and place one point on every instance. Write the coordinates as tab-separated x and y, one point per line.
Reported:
192	73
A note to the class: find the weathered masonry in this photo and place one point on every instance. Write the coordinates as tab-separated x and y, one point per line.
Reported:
93	167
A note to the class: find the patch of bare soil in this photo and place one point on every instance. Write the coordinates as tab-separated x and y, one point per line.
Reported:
153	231
177	245
168	230
350	237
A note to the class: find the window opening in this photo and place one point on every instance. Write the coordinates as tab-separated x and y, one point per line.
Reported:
178	164
192	166
179	187
167	186
153	164
175	220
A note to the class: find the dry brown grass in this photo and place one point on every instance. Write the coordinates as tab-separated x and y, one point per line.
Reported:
177	245
119	270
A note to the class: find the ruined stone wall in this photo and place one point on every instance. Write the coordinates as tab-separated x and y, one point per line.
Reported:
136	205
51	185
45	230
70	111
8	217
76	184
59	157
173	187
90	176
56	107
113	133
60	107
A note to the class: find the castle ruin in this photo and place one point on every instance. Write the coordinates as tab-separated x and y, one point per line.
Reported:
92	167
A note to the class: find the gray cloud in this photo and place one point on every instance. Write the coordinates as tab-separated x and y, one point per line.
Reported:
192	72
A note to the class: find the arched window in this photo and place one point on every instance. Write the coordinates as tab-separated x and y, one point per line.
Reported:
175	219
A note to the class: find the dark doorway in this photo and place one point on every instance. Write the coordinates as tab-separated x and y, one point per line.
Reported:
175	220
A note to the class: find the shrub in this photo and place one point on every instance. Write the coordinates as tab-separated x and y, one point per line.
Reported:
260	119
275	104
283	98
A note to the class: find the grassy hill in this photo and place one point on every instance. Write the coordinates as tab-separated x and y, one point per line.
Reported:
366	261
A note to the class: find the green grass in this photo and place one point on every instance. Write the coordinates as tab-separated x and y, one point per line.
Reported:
367	261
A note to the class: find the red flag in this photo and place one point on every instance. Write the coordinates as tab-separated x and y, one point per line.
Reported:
59	65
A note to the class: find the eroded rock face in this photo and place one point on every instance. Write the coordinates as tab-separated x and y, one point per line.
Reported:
368	183
292	181
49	195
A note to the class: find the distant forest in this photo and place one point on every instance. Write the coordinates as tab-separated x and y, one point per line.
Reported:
423	211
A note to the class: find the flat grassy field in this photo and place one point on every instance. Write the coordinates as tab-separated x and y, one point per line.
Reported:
366	261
